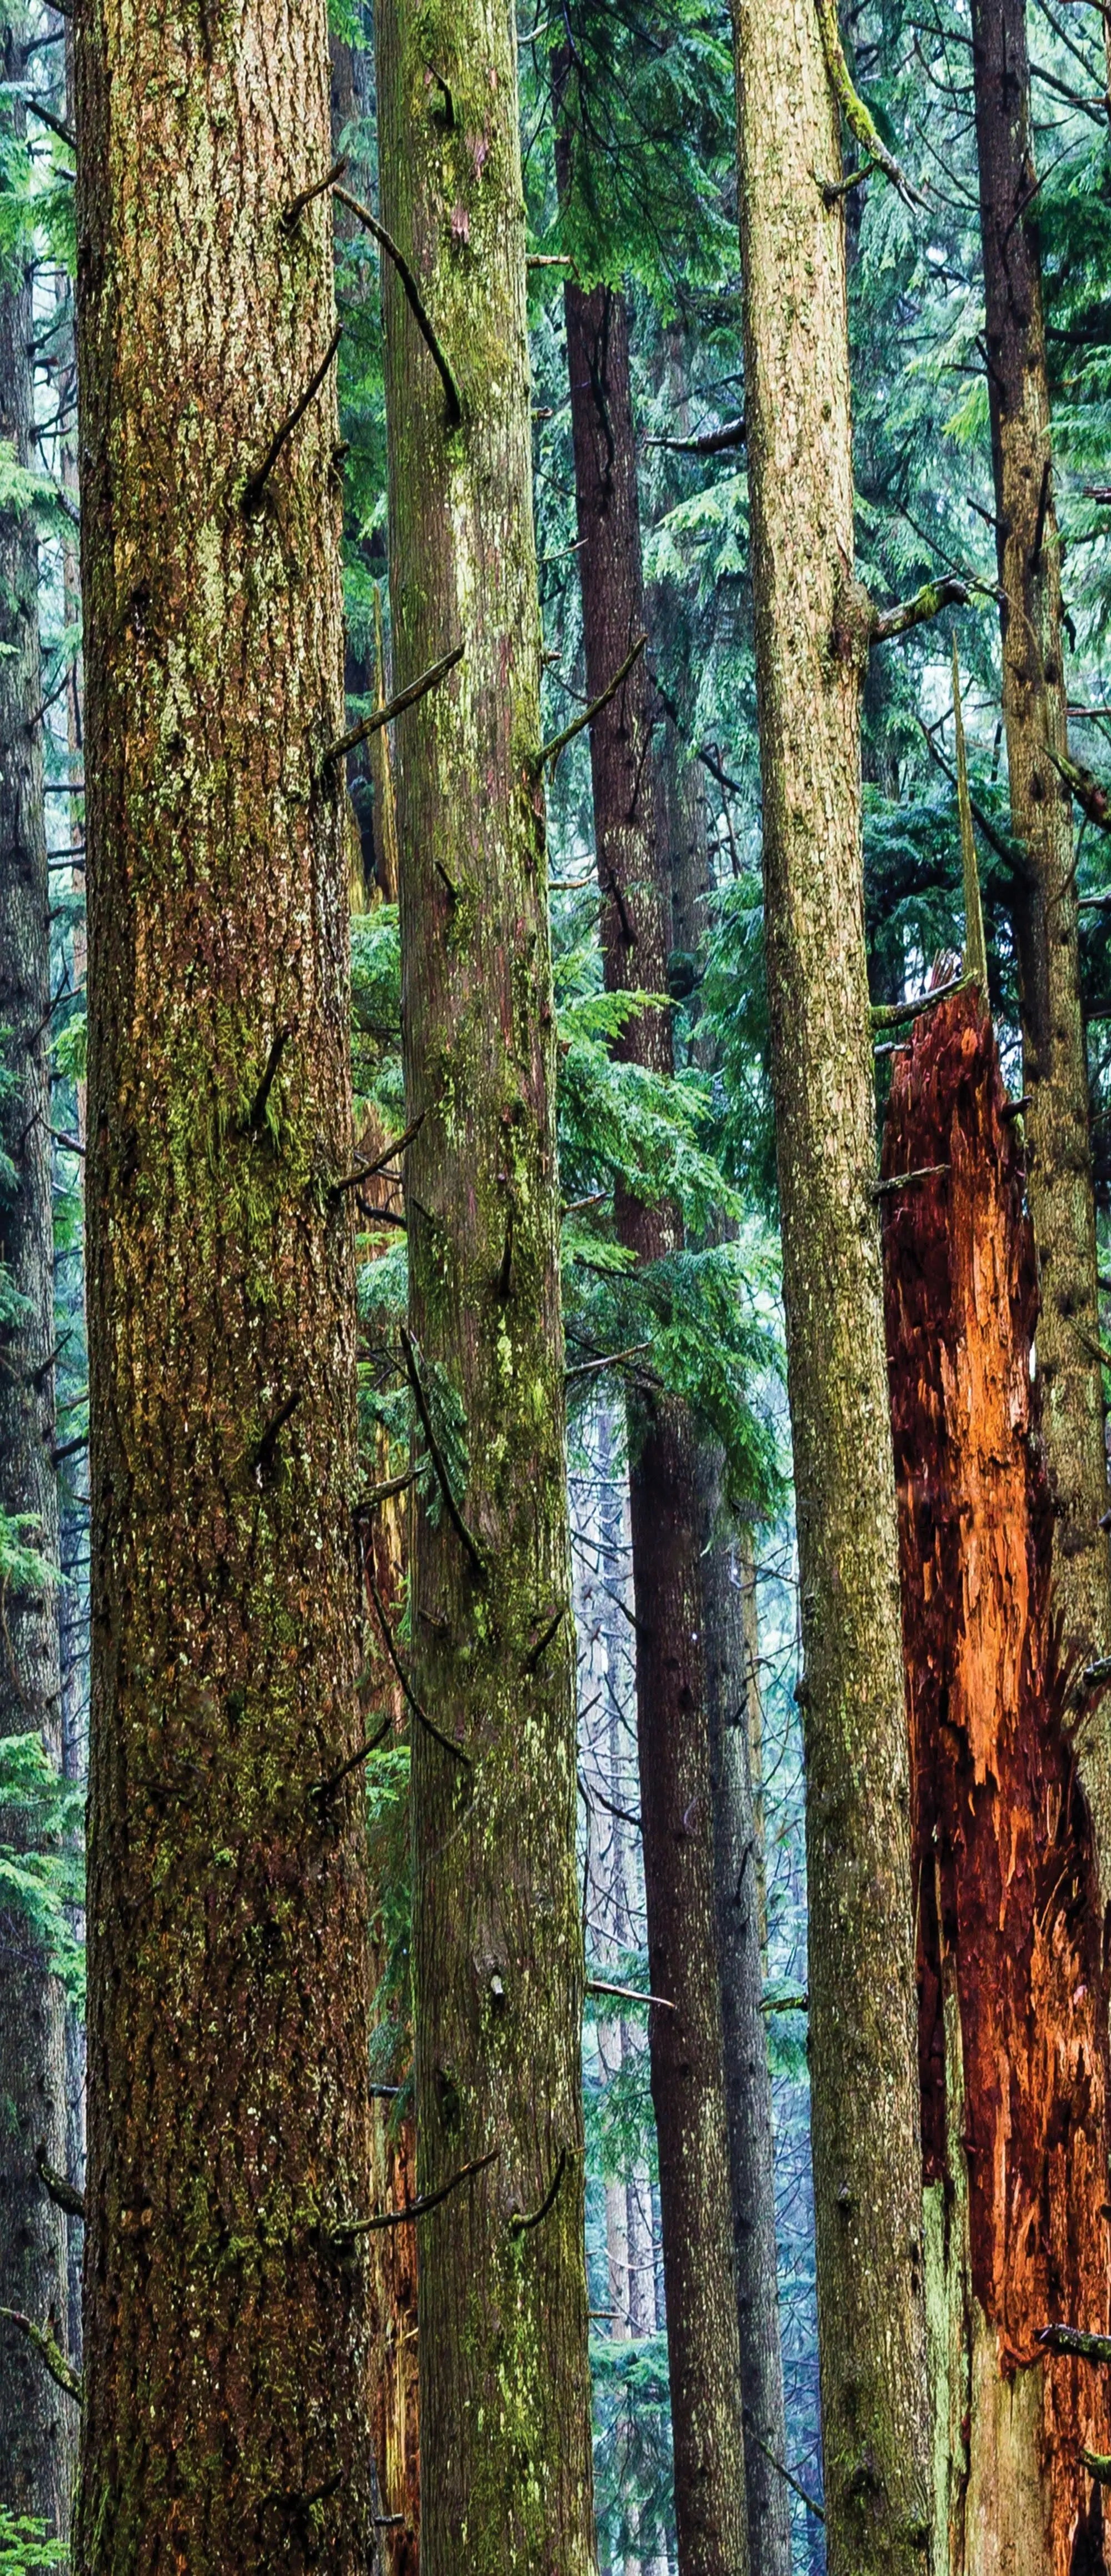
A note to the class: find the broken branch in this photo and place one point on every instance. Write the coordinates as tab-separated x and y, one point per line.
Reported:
61	2192
857	117
394	707
628	1994
712	442
887	1015
413	296
256	485
551	750
531	2218
902	1180
425	2200
1093	800
325	1789
50	2353
442	1478
297	205
1086	2347
421	1714
926	603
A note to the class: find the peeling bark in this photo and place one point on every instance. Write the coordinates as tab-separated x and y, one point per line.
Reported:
1012	1985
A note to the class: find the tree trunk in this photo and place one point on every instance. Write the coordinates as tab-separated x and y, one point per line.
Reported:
226	2381
688	2085
498	1972
862	2054
748	2092
38	2423
1055	1072
1012	1981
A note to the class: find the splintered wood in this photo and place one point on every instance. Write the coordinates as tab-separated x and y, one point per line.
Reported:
1011	1977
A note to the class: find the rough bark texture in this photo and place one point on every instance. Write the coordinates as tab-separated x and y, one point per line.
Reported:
1055	1072
862	2048
226	2400
505	2402
688	2090
38	2424
748	2092
1012	1987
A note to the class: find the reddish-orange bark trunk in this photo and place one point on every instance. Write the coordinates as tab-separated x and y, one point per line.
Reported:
1012	1988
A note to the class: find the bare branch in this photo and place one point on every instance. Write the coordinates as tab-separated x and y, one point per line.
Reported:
926	603
255	486
49	2352
414	298
551	750
442	1478
524	2219
421	1714
297	205
343	2233
712	442
61	2192
393	707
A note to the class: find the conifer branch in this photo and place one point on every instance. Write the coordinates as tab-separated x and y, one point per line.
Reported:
551	750
254	488
860	122
394	707
49	2352
414	299
343	2233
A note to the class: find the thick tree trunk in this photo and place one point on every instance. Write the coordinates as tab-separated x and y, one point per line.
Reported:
748	2092
1012	1982
862	2051
38	2423
498	1974
1055	1072
226	2373
688	2092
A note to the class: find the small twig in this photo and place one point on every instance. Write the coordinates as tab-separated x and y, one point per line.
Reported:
257	1117
61	2192
322	1790
55	123
415	300
902	1180
69	1448
594	1796
548	259
297	205
587	1368
551	750
712	442
393	707
253	489
421	1714
522	2219
442	1478
425	2200
50	2353
809	2501
396	1146
628	1994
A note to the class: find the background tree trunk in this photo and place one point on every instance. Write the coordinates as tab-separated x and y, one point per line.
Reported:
688	2085
227	1926
1012	1981
498	1973
862	2031
38	2423
1055	1071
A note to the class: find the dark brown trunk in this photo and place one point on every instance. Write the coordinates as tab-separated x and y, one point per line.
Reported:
226	2352
675	1795
1012	1984
38	2423
497	1939
1055	1072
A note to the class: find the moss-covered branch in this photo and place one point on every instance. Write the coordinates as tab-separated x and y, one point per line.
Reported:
857	117
50	2353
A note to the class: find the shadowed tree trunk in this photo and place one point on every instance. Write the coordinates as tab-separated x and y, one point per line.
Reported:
673	1740
862	2030
1055	1072
226	2377
1012	1982
38	2422
498	1971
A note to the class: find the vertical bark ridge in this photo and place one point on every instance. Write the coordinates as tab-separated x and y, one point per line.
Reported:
498	1973
1012	1986
37	2422
226	2416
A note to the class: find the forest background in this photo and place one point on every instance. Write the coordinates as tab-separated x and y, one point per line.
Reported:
654	218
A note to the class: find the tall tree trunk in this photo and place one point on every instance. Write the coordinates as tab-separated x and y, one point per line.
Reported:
1055	1072
497	1951
748	2092
688	2085
226	2377
1012	1979
862	1998
38	2423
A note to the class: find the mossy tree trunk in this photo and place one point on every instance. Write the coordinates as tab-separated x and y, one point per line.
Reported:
688	2080
1011	1971
1055	1072
498	1972
862	1997
38	2423
226	2377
